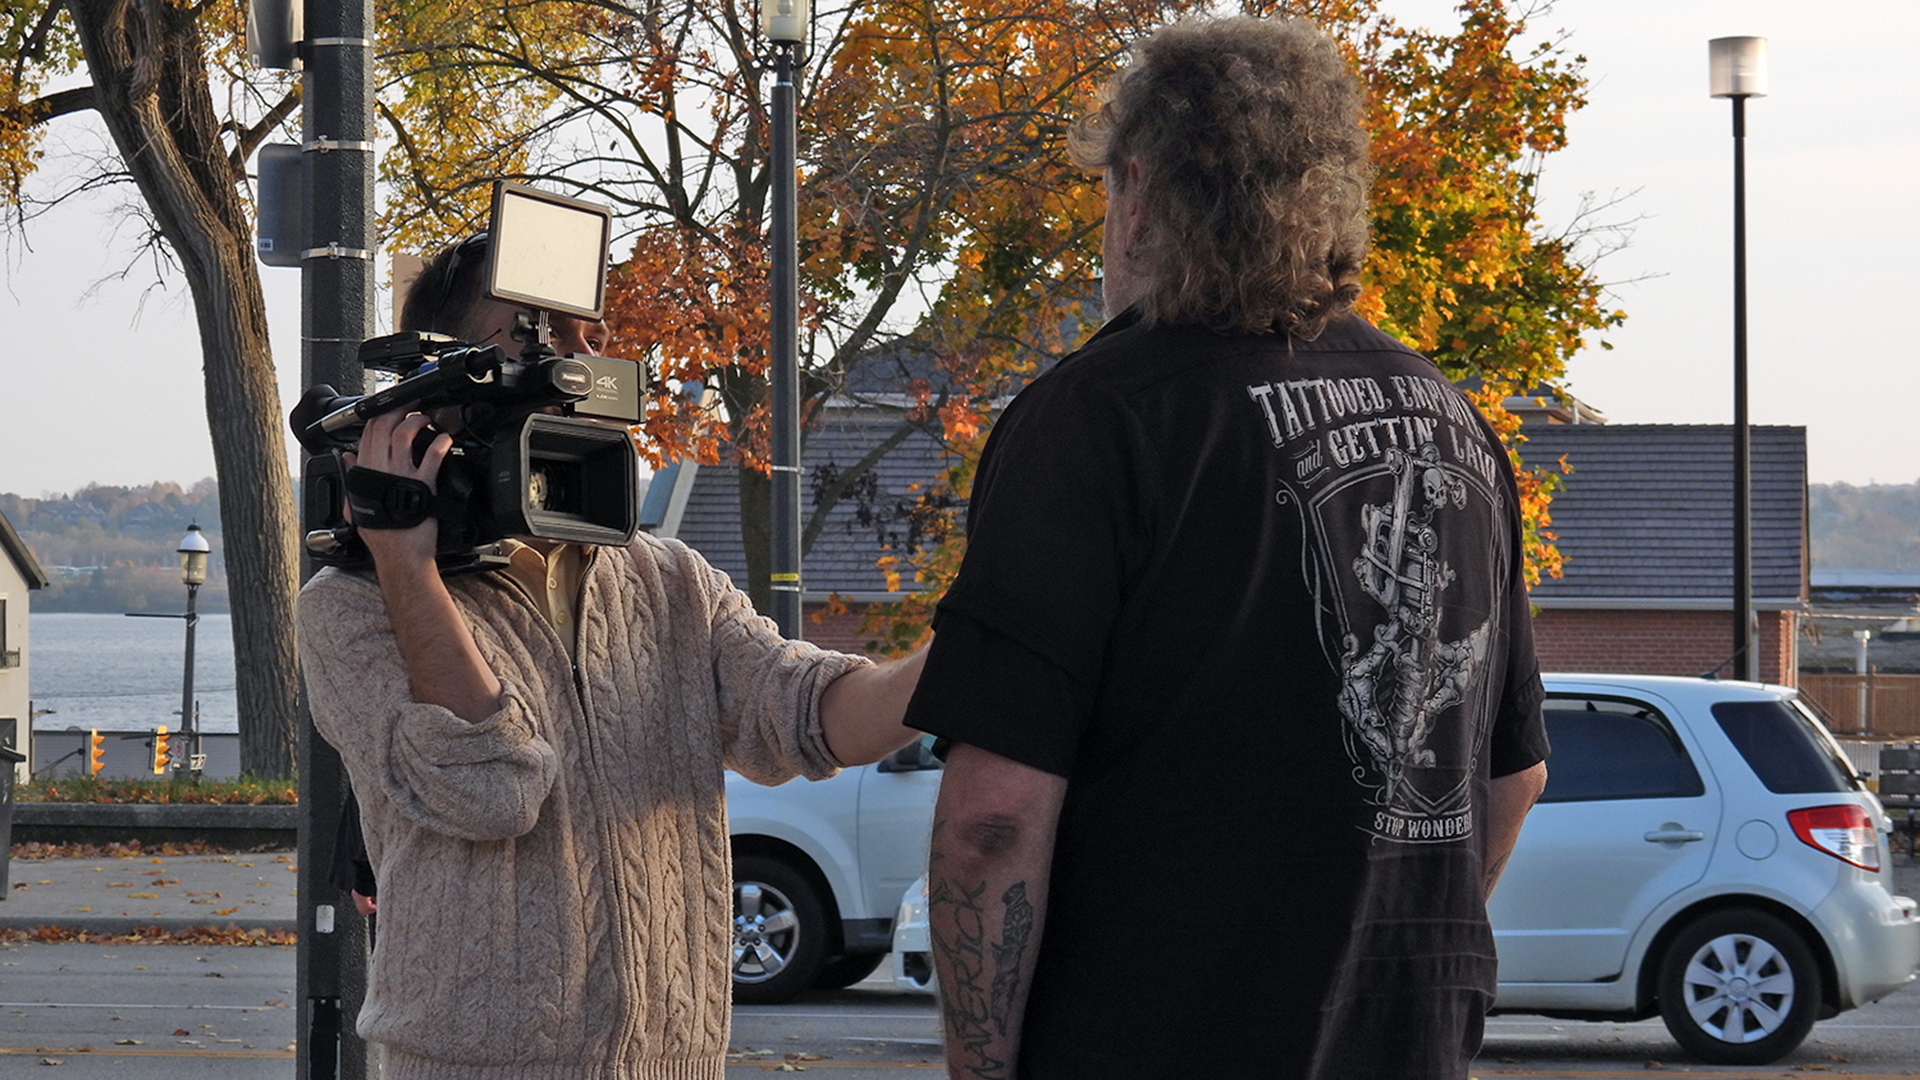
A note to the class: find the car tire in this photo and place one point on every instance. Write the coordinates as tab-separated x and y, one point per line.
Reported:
779	931
1739	987
843	971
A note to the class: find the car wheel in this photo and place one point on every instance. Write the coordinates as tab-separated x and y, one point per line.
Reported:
843	971
779	931
1739	987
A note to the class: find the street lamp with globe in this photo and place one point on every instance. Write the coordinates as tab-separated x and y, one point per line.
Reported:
1737	69
194	552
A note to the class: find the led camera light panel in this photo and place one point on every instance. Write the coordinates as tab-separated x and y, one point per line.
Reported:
548	251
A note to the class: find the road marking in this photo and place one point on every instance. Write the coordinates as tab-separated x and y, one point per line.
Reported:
836	1063
923	1017
126	1051
96	1005
1556	1073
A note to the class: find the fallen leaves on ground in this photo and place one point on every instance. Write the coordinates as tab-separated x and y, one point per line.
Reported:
132	849
175	790
151	935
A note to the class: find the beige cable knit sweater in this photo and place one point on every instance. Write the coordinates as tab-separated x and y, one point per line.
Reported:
555	894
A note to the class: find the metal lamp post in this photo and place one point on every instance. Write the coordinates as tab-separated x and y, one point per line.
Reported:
194	551
785	24
1738	70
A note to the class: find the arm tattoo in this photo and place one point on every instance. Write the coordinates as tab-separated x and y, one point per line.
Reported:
1492	874
1010	954
977	1003
963	995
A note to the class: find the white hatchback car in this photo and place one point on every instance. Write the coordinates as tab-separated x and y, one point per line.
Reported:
818	869
1703	852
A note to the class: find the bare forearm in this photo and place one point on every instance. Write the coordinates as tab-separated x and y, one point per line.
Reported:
988	866
444	666
861	711
1509	799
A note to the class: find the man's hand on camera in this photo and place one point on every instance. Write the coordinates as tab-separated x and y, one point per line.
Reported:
386	446
444	666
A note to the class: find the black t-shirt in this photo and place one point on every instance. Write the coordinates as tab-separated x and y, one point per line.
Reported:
1260	600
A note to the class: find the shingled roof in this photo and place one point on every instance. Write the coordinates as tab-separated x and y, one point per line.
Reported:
843	556
16	549
1646	517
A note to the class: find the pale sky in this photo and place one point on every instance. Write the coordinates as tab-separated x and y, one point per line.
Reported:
112	393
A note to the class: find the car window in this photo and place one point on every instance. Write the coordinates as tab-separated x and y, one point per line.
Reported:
1613	748
1786	748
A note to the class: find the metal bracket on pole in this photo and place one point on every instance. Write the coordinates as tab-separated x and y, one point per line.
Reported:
335	251
324	145
339	42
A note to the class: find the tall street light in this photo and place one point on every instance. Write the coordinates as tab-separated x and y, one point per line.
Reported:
1738	68
193	551
785	24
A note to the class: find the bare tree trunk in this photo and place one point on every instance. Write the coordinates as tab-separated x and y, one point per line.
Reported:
149	71
756	536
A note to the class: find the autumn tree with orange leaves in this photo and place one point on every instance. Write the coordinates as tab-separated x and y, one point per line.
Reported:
1461	266
939	215
938	212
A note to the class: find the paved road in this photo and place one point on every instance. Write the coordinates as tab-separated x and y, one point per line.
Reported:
871	1032
159	1012
154	1011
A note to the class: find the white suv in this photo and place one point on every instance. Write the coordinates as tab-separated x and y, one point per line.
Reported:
1703	852
818	868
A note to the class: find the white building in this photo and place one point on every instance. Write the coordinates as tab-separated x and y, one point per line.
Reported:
19	574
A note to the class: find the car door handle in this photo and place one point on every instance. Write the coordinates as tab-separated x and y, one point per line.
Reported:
1672	833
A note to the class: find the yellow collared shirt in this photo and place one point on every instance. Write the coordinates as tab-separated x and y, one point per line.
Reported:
553	581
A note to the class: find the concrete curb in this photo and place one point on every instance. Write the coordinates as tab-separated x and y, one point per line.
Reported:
99	823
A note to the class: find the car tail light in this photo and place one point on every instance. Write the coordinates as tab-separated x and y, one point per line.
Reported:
1845	832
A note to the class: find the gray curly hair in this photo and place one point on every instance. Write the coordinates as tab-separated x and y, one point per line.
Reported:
1253	173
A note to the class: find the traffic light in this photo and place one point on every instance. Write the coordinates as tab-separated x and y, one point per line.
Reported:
162	758
97	744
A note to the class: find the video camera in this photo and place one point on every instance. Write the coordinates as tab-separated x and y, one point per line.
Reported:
514	469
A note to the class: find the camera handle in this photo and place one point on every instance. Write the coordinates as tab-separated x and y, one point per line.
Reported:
535	334
476	366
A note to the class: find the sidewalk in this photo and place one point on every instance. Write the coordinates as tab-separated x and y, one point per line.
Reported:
110	895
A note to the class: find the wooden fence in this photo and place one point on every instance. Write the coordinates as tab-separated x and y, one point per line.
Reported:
1873	704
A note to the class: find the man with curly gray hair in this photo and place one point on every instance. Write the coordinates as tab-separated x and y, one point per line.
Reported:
1237	676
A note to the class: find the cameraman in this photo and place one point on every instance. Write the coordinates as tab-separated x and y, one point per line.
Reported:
538	753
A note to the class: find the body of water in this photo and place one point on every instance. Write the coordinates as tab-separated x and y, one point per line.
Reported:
118	673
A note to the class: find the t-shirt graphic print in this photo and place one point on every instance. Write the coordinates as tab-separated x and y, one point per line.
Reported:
1400	503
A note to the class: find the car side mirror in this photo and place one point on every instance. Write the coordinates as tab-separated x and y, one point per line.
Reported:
916	756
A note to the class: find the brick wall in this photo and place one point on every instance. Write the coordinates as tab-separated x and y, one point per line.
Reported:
1657	642
838	632
1623	642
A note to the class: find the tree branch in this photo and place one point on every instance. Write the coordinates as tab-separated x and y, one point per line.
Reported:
42	109
831	497
251	138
